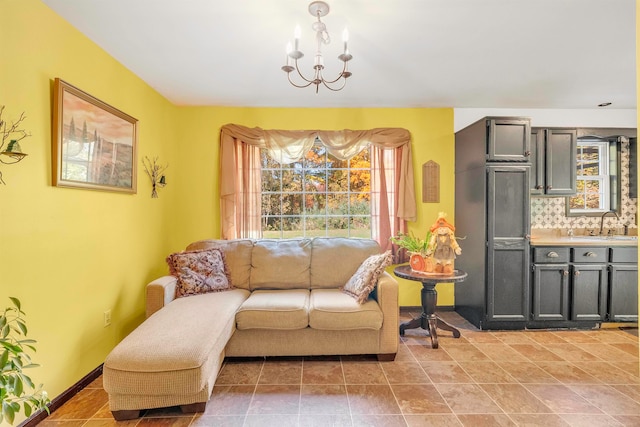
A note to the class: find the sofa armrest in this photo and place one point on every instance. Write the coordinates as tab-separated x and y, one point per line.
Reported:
387	296
160	292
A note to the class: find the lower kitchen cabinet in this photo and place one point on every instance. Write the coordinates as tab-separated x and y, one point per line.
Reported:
580	287
550	284
623	296
589	292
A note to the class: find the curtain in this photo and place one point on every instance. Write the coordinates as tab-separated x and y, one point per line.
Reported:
240	186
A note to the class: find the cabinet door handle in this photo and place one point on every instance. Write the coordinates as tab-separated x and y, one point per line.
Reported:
591	254
549	187
552	254
565	273
527	153
577	273
538	187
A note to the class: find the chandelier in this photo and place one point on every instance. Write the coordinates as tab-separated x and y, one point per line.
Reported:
318	9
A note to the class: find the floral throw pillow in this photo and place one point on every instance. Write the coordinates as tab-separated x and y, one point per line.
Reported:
365	278
199	272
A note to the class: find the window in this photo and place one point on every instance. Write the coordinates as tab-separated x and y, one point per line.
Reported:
592	178
597	177
318	195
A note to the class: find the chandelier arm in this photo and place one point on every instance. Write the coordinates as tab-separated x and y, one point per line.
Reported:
297	85
326	84
300	74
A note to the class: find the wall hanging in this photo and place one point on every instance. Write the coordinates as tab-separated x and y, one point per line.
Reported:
155	172
94	144
9	145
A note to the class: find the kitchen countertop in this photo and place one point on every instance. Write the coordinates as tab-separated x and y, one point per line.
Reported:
552	240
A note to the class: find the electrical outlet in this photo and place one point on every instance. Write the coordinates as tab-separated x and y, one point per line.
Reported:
107	318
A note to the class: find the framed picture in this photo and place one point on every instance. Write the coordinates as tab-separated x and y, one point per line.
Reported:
94	144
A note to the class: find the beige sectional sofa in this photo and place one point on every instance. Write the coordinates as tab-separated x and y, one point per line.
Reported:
286	302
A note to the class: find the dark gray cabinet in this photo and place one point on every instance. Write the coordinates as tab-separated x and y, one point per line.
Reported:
492	210
553	161
508	140
567	287
550	286
589	292
623	285
583	286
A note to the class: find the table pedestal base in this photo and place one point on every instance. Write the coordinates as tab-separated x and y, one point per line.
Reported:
429	321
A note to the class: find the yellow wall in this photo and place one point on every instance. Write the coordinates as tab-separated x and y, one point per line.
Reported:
71	254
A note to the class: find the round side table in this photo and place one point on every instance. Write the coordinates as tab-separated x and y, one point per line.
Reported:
429	321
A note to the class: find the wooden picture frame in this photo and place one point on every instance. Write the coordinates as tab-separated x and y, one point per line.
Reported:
94	145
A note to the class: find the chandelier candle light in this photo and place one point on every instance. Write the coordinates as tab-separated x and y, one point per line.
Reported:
318	9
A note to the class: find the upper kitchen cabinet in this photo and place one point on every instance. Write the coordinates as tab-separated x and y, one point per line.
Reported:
553	161
508	140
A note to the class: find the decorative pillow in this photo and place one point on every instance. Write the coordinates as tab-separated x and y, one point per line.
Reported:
365	278
199	272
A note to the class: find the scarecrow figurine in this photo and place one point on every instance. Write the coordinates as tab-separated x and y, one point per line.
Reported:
443	245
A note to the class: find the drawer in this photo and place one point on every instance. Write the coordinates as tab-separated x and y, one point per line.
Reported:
586	254
624	255
548	255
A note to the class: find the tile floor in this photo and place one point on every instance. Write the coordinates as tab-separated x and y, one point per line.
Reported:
523	378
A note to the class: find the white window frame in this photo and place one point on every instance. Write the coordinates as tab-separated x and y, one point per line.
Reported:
603	178
327	215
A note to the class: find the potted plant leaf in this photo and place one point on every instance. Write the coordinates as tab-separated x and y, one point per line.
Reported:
420	258
17	391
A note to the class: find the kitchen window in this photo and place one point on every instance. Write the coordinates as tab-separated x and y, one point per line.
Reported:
597	177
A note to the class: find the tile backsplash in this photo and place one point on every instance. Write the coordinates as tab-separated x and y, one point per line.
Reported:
549	212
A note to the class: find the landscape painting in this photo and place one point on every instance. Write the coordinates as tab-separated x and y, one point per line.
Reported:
94	144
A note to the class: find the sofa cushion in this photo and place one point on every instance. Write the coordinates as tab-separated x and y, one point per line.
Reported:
199	272
237	255
331	309
274	309
365	278
280	264
335	259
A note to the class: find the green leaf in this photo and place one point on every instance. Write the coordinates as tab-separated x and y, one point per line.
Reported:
4	357
5	331
7	411
27	409
19	387
16	302
3	321
22	327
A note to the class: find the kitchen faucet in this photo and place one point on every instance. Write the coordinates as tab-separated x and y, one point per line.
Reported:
602	219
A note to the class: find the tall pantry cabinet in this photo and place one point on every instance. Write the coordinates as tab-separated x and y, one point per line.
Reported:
492	170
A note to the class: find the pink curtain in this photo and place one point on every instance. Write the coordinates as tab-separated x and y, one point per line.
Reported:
392	184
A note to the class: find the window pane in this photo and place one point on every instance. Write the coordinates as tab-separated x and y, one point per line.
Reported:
266	161
315	158
360	226
338	226
292	204
338	180
315	226
337	204
271	180
577	202
593	201
291	180
315	203
361	160
291	226
588	161
271	204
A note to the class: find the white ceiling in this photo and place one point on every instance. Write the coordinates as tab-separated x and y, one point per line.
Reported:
407	53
